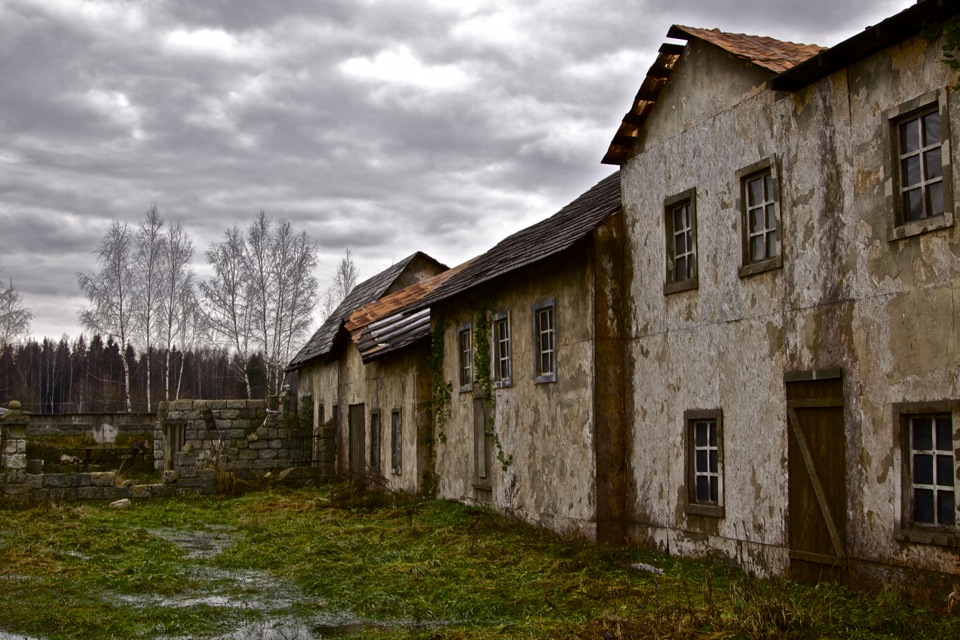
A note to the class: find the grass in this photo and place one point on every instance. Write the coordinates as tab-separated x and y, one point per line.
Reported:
380	565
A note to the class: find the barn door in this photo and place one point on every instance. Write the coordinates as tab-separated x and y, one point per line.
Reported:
355	424
817	476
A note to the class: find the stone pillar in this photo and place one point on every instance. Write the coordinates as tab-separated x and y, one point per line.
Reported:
13	454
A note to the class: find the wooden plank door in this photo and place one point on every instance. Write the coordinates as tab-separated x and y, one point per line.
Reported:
355	424
817	476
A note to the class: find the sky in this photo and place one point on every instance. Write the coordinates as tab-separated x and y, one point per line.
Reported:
385	126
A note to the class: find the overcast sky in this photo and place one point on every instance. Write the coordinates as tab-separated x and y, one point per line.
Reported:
386	126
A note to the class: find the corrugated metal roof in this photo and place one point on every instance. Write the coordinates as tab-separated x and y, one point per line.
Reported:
364	293
539	241
768	53
894	29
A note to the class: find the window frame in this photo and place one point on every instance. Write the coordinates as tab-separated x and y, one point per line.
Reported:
906	529
465	366
501	319
670	205
748	266
375	437
396	442
919	106
694	506
539	375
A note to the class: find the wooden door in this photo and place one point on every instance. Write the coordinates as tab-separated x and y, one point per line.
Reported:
817	476
355	424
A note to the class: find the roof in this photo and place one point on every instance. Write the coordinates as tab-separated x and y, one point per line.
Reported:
770	54
541	240
894	29
364	293
382	327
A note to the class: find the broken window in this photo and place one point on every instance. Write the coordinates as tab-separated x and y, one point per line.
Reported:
760	218
680	222
502	366
704	434
545	341
465	353
396	442
375	440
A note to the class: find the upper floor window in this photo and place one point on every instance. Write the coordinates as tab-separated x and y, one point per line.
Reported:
545	341
465	356
919	166
680	222
929	479
760	218
502	365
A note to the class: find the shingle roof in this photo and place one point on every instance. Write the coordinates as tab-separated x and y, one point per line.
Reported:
539	241
767	53
362	294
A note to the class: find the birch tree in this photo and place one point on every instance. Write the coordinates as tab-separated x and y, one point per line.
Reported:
149	244
344	280
178	304
110	292
14	317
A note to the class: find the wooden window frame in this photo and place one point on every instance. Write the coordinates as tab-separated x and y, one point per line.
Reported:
933	101
502	348
375	441
396	442
465	357
686	199
694	506
749	266
540	375
906	529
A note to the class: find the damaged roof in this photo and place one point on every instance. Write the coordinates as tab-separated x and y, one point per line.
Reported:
364	293
541	240
768	53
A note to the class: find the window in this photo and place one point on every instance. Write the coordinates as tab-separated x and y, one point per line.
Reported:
375	440
760	218
922	197
704	434
545	341
680	222
502	366
465	352
396	442
929	477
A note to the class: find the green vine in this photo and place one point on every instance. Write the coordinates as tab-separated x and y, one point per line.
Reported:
482	377
951	47
441	392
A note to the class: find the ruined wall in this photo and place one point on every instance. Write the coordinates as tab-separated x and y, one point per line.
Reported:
102	428
318	385
847	296
545	430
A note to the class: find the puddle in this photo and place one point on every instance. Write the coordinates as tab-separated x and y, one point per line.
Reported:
198	544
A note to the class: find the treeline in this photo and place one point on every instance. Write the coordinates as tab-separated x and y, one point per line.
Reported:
87	375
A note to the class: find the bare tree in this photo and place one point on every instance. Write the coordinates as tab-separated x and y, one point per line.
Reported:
111	292
14	317
149	244
263	292
178	304
344	280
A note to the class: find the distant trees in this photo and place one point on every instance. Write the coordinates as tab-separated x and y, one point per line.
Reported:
14	317
262	293
344	280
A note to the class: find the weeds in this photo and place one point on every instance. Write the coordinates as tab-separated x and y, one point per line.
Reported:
379	565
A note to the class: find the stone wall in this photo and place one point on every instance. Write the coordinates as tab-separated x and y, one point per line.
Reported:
103	428
201	440
13	450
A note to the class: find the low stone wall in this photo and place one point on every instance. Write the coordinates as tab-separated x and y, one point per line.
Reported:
89	486
103	428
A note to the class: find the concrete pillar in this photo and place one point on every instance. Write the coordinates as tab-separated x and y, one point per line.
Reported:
13	454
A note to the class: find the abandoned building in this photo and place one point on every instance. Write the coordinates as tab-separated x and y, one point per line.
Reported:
391	391
790	328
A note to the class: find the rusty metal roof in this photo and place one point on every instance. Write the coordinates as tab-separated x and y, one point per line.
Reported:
767	53
364	293
894	29
541	240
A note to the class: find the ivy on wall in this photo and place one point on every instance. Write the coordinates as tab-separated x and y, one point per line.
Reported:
441	392
482	374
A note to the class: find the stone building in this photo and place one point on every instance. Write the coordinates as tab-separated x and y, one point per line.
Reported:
354	405
792	270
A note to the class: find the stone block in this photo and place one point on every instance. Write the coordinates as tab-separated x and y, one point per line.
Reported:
259	444
268	454
103	479
13	461
228	414
90	493
235	404
263	465
116	493
141	491
170	476
276	444
247	454
59	480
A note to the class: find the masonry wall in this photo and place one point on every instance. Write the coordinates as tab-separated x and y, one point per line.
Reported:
847	297
102	428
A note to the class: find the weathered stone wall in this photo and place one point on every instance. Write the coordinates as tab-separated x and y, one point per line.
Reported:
90	486
13	450
103	428
227	437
